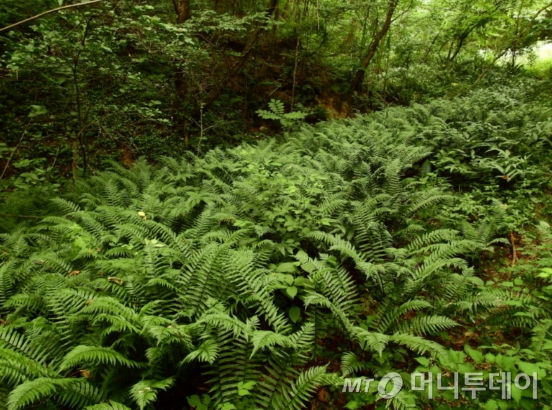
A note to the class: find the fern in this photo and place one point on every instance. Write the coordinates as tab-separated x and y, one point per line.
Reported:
95	355
241	265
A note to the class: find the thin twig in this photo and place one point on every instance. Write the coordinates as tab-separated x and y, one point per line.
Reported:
514	253
16	147
48	12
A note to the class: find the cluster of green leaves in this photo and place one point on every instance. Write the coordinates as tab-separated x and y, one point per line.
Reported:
491	145
277	113
131	49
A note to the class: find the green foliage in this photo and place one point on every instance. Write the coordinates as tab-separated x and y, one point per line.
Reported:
276	113
262	267
260	275
175	87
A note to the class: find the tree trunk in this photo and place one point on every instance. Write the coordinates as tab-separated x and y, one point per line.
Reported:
359	76
182	10
464	35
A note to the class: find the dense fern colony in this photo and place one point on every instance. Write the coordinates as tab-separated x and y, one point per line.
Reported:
255	275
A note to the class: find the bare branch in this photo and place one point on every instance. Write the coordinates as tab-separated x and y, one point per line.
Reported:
70	6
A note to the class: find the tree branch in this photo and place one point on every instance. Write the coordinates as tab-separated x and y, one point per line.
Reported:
514	42
48	12
359	76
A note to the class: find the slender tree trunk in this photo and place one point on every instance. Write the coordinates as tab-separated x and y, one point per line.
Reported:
464	35
426	54
81	118
182	10
458	47
359	76
298	43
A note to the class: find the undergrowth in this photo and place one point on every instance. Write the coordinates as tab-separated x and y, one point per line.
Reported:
264	275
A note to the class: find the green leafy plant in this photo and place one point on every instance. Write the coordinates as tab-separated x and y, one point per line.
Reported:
276	112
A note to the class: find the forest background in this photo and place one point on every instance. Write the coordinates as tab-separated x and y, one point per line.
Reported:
124	79
369	179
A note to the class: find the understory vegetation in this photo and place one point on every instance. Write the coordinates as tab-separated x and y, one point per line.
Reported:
260	274
244	206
